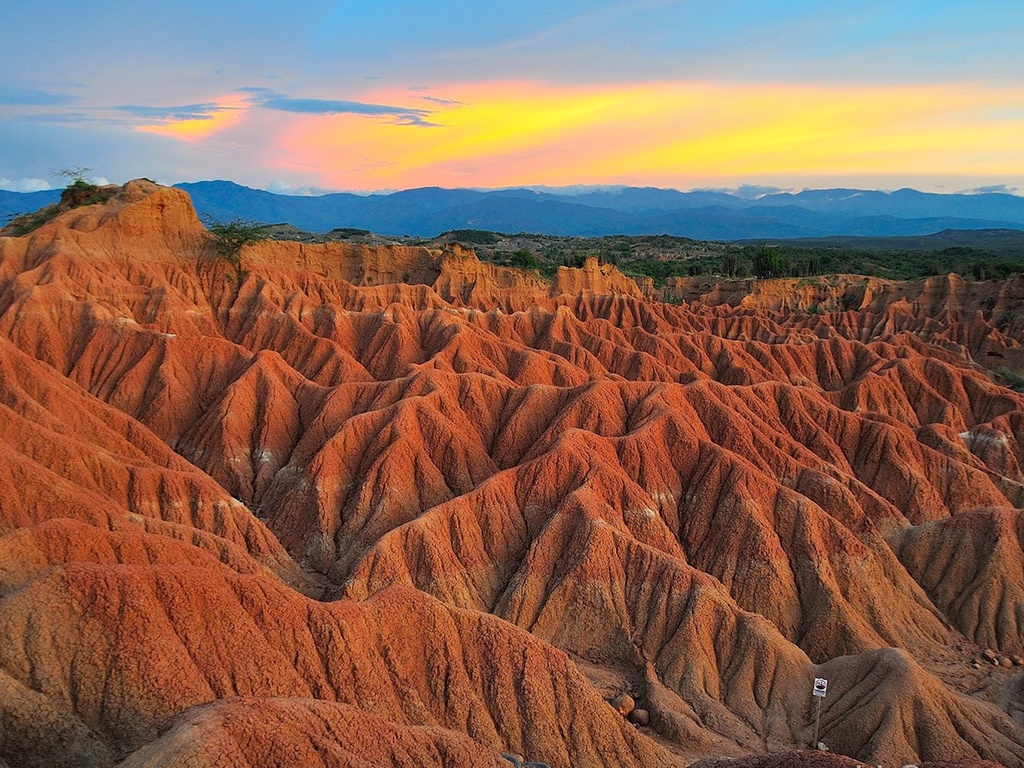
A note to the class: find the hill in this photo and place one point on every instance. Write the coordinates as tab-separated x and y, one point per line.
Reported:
631	211
699	215
354	504
994	241
13	204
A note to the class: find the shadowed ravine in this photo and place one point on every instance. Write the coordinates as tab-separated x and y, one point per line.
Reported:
252	518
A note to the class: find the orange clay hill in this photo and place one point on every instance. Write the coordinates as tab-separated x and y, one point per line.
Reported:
347	507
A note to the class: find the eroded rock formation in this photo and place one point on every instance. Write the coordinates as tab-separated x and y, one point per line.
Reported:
250	518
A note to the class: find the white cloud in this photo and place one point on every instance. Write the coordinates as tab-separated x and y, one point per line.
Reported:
99	181
23	185
1002	189
747	191
573	190
280	187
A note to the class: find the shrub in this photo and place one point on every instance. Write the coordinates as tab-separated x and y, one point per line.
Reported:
227	239
81	192
1012	380
472	236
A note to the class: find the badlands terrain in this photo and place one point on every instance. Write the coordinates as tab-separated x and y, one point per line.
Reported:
352	506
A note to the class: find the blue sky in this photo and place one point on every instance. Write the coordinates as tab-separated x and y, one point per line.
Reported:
388	94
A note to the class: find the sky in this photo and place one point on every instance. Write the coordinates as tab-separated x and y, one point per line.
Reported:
314	96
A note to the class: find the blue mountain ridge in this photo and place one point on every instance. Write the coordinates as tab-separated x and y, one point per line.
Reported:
16	203
704	215
428	211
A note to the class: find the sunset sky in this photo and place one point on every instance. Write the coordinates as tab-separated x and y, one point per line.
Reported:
394	94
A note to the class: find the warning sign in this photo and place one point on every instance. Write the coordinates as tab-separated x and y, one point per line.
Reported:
820	686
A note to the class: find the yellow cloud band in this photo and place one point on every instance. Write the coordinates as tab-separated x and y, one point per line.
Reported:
664	133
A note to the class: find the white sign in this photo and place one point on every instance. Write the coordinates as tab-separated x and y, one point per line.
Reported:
820	686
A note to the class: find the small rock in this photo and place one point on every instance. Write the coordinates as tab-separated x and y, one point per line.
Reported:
822	746
976	665
1019	661
534	764
623	704
989	654
516	760
640	717
1005	662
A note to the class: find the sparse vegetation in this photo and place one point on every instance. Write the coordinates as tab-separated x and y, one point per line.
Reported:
471	236
226	240
27	222
663	257
77	193
345	233
984	255
1012	380
80	191
75	174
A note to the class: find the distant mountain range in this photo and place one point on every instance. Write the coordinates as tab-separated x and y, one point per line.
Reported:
15	203
701	215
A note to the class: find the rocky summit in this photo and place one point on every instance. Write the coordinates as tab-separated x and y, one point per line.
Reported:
335	505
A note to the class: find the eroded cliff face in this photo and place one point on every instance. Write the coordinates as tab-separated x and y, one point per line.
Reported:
249	518
983	322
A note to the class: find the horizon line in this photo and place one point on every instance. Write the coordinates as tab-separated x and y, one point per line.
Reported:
754	192
582	189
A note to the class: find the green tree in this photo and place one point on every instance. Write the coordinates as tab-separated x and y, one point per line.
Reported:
766	262
524	259
227	239
730	263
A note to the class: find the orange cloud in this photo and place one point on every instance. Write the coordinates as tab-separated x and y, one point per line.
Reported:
672	134
228	112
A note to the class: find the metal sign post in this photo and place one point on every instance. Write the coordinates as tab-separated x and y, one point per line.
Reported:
820	688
